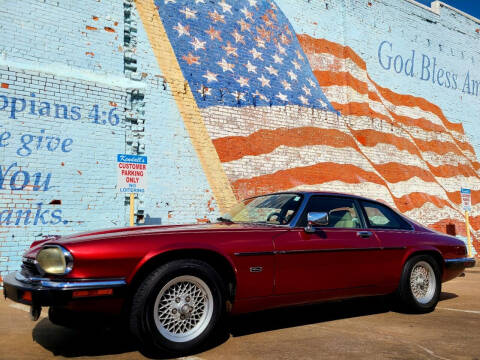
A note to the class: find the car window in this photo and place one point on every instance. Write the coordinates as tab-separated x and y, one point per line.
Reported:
276	209
380	216
341	211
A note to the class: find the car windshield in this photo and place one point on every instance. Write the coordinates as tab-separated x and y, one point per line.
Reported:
276	209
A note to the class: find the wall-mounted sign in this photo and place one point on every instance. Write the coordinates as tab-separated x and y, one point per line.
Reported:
131	173
466	199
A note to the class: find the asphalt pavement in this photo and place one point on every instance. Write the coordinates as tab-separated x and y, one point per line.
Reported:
354	329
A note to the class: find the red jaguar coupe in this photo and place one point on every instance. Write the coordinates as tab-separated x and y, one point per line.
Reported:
175	283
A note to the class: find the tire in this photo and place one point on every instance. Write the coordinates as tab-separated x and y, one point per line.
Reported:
177	307
420	284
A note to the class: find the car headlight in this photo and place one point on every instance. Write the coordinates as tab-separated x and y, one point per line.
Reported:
55	260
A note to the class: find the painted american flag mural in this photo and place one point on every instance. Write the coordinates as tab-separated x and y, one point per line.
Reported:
306	114
240	53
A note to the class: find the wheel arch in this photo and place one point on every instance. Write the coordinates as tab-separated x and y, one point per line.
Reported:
218	261
434	253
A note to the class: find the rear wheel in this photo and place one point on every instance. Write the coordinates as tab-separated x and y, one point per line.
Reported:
178	306
420	284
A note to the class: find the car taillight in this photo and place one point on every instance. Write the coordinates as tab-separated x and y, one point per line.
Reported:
461	250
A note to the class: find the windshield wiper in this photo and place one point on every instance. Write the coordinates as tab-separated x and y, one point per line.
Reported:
222	219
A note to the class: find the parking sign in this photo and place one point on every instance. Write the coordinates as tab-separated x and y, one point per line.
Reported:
466	199
131	173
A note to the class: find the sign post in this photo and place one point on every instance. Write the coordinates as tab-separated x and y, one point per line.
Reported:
467	206
132	208
131	178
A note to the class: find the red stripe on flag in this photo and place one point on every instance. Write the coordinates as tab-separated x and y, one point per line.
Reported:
265	141
309	175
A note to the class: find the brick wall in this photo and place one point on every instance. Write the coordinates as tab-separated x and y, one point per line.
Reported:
63	98
84	81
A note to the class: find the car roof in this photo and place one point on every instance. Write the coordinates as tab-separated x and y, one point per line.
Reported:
317	192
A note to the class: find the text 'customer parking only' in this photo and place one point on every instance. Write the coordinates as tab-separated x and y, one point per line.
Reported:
131	173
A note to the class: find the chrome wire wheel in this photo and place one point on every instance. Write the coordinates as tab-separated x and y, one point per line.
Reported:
423	283
183	308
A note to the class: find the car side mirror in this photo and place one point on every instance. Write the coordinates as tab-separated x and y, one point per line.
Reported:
316	219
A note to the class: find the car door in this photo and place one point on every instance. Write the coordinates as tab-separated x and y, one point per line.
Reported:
340	255
393	233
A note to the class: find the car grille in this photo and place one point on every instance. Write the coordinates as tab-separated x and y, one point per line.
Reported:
29	268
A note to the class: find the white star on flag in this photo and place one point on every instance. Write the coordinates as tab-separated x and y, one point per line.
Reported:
256	54
250	67
286	85
264	81
244	26
189	14
225	65
282	97
242	81
230	50
260	42
248	15
238	95
197	44
306	90
210	76
272	70
303	99
277	59
238	37
281	49
225	7
182	30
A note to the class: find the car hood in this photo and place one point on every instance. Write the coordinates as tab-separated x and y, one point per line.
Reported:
153	230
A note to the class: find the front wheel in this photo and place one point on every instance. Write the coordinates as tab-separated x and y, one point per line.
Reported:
420	284
178	306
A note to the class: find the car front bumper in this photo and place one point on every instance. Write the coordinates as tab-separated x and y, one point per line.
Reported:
48	292
460	263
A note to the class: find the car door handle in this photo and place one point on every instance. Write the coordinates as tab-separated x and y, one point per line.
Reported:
364	234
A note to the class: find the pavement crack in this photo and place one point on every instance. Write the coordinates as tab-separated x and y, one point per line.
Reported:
430	352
